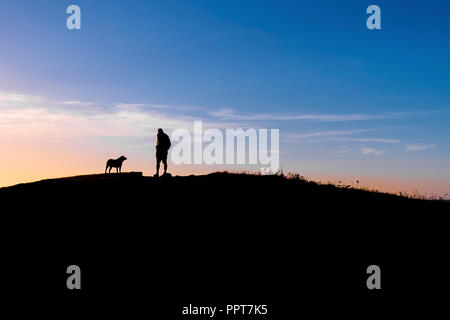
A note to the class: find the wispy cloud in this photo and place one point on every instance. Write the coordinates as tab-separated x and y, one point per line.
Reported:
25	115
8	99
230	114
371	151
130	105
30	116
380	140
419	147
78	103
319	134
340	136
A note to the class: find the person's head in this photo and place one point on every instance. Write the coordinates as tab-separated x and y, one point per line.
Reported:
160	130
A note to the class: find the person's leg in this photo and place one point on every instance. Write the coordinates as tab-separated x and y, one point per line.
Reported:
165	165
158	161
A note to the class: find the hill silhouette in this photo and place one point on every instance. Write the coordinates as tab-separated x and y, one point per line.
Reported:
135	183
219	235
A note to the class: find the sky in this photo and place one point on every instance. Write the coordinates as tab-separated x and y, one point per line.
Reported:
350	103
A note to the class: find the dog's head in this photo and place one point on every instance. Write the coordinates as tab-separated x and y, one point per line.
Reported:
122	158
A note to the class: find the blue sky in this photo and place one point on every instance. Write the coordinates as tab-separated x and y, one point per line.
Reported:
378	99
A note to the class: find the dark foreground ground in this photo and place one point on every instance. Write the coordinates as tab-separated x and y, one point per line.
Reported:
149	246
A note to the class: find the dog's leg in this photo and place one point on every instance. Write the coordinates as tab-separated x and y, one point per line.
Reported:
117	169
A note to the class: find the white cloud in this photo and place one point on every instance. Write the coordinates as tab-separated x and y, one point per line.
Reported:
130	105
8	99
380	140
27	115
78	103
327	133
371	151
337	136
419	147
230	114
30	116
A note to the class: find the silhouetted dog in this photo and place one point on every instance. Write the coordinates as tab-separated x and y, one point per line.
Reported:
115	163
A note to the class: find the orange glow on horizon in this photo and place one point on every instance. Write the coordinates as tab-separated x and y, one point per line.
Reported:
28	163
34	159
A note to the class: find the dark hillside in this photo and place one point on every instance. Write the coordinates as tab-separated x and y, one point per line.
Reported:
220	235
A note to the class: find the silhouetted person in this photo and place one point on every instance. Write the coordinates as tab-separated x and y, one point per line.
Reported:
162	147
